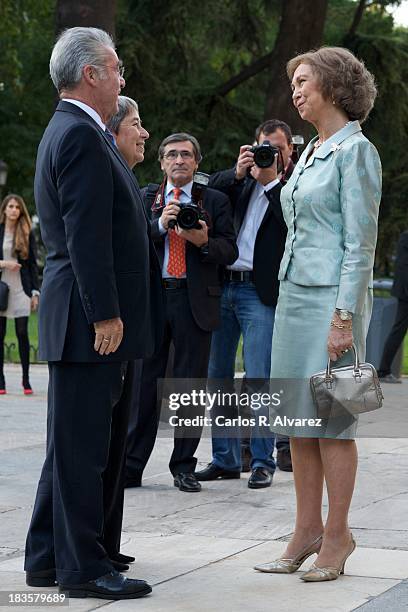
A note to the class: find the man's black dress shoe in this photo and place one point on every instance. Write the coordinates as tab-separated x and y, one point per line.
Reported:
123	558
44	578
48	578
186	481
119	566
111	586
284	460
212	472
134	480
260	478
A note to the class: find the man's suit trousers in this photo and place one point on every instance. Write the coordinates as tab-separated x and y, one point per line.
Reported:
396	337
77	517
191	355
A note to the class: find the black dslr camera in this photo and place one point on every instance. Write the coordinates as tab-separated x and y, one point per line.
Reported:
264	155
191	212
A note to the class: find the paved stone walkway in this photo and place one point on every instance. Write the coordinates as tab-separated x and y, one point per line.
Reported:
198	550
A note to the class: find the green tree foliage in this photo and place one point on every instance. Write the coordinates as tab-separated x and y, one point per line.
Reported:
27	97
385	52
176	58
179	57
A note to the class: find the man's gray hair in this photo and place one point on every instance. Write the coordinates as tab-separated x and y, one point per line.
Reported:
74	49
181	137
125	106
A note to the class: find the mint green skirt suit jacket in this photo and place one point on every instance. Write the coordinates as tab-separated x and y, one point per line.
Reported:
330	205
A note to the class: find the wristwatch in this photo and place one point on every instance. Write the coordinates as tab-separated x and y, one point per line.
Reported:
345	315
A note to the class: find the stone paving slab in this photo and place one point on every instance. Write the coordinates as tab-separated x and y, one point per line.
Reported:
219	510
198	549
395	599
232	585
385	514
194	573
385	538
164	557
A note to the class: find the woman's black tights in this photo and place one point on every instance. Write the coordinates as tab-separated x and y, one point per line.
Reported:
21	324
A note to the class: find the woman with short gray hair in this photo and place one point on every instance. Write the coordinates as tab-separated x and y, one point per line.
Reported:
128	131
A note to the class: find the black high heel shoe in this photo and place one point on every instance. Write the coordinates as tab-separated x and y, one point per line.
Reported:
27	387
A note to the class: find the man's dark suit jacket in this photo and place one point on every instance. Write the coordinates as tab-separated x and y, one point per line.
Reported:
400	287
101	262
204	272
271	236
28	270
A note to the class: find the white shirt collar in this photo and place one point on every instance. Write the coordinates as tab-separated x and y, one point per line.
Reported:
185	188
87	109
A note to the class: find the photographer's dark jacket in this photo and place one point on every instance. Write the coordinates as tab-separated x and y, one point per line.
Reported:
204	272
271	236
28	270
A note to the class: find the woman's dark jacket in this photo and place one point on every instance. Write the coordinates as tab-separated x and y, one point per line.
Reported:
28	270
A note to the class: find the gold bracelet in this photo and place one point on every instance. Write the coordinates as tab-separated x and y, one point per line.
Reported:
341	325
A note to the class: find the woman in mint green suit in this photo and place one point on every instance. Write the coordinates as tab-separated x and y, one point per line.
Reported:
330	205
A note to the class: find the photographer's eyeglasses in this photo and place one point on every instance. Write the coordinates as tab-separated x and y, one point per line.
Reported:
174	154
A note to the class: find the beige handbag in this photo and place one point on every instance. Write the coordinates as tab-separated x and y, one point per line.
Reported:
346	390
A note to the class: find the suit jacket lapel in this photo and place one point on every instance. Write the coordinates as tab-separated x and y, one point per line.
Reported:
270	209
134	182
67	107
243	203
124	163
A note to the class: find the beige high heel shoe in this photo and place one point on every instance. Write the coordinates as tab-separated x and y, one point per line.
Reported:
321	574
288	566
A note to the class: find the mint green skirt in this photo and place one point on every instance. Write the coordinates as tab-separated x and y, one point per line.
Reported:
299	350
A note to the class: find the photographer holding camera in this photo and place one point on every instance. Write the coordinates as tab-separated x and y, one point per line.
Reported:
251	291
193	233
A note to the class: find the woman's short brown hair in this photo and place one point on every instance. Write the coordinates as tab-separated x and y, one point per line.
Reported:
343	78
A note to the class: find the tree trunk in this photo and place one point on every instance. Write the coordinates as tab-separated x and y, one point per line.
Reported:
301	29
96	13
358	15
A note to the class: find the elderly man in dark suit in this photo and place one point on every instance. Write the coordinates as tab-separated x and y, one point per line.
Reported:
399	329
191	261
100	309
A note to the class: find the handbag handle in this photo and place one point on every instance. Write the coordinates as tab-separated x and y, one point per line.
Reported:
357	371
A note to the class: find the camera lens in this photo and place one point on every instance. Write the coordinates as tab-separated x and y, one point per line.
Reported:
188	218
264	156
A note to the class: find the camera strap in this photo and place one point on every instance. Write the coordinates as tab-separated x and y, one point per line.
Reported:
154	196
155	200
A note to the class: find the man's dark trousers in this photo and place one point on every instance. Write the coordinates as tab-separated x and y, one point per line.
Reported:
396	337
400	291
81	463
191	354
